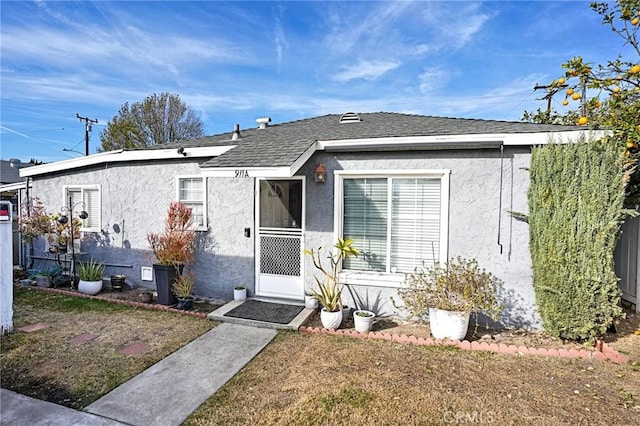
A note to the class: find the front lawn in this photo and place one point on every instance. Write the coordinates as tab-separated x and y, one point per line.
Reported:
304	379
46	365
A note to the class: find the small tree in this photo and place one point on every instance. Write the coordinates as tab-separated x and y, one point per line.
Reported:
575	211
175	245
158	119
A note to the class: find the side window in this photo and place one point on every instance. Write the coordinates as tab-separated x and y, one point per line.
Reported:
192	193
87	198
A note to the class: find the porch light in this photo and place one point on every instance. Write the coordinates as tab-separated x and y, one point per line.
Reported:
320	175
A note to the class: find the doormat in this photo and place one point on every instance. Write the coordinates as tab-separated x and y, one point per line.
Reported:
265	312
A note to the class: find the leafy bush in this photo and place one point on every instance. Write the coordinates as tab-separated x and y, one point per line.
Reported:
576	208
183	285
460	285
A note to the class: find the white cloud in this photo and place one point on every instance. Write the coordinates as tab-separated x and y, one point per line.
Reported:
432	78
366	70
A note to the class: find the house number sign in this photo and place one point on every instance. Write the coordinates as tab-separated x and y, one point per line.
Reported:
242	173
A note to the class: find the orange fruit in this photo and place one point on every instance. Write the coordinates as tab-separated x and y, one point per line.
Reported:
616	89
575	96
597	104
561	80
582	121
635	21
565	102
631	145
569	92
635	69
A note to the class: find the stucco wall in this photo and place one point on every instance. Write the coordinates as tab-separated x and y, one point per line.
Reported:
135	198
134	202
473	218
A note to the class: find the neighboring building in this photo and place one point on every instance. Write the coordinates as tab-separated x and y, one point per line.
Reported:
409	189
12	188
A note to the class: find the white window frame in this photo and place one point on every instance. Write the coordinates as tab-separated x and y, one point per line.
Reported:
82	188
389	279
179	178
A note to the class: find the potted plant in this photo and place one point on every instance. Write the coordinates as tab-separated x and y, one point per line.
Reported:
450	293
146	296
239	292
90	274
44	277
182	288
363	320
173	248
329	291
33	220
117	282
310	300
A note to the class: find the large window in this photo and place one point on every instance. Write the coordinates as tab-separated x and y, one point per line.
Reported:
87	198
398	222
192	193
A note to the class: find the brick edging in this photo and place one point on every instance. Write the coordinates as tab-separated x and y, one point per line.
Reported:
149	306
603	350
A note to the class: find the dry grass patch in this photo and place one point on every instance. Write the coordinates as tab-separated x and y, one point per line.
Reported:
46	365
321	379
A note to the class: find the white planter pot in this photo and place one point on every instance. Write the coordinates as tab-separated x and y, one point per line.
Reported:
239	294
330	320
310	302
448	324
89	287
363	324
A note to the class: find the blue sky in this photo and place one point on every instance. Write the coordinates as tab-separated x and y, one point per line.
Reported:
233	62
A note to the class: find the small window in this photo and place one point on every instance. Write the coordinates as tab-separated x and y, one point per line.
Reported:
87	198
192	193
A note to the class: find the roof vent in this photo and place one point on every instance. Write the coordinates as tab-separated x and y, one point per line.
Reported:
263	122
236	133
350	117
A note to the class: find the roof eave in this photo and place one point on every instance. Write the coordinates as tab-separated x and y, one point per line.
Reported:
123	156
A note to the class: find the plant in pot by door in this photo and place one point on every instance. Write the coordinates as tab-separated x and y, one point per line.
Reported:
174	248
450	293
182	288
239	292
90	274
363	320
310	300
329	291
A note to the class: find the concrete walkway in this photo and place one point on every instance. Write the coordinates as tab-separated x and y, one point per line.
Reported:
17	409
164	394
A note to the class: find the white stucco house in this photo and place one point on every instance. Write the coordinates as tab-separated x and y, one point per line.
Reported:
408	189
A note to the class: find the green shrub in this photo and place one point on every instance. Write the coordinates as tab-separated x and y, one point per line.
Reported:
575	211
91	271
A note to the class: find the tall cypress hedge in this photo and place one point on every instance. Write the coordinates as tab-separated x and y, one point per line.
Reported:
575	212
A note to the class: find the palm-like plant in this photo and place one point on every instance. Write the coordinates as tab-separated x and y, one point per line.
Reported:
329	291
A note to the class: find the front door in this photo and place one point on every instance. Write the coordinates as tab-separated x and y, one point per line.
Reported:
280	225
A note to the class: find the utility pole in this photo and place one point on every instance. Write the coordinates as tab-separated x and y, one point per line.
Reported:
551	91
87	129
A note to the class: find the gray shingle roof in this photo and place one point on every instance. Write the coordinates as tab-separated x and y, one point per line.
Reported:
281	144
9	174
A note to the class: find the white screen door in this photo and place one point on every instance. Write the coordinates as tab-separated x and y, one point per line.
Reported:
280	217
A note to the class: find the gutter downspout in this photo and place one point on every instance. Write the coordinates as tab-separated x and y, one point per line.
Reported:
500	202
